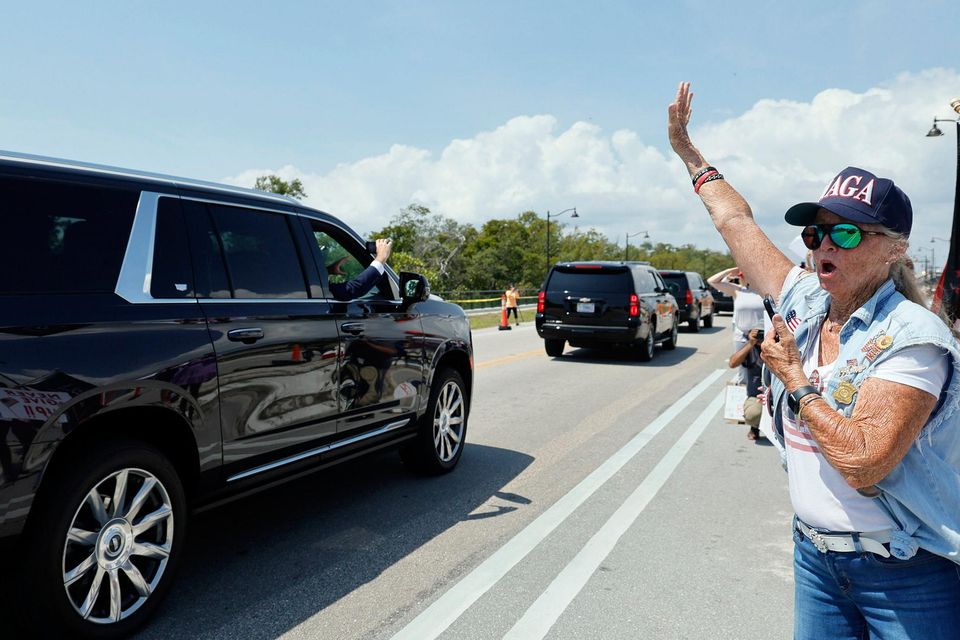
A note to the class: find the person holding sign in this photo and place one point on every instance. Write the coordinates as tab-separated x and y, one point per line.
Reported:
867	387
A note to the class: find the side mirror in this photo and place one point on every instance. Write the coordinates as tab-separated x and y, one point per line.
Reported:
413	287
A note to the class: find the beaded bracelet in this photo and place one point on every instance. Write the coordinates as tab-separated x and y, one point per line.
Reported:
705	178
703	171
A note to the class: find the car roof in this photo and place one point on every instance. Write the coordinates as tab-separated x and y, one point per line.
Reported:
605	263
26	160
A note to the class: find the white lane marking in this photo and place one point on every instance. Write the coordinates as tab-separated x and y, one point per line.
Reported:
545	611
435	619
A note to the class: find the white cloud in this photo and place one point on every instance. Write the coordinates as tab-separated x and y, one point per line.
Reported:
777	153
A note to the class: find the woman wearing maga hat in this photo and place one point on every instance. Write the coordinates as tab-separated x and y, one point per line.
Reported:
867	389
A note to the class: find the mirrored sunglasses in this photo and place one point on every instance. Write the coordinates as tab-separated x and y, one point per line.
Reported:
844	235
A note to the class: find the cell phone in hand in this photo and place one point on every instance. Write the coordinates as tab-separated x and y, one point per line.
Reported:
372	247
771	310
768	305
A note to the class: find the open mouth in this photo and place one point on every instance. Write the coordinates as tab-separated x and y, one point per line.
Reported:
827	268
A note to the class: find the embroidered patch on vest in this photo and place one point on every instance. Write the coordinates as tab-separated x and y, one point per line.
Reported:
792	320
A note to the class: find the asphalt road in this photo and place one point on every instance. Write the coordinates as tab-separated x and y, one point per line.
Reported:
598	497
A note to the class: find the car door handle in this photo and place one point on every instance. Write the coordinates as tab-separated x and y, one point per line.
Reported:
247	336
355	328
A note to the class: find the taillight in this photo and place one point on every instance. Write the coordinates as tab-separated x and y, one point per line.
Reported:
634	305
541	301
689	297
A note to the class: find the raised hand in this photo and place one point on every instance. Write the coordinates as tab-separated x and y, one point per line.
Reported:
678	116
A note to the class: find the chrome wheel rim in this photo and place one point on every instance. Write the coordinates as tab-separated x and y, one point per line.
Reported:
448	422
117	546
649	345
675	332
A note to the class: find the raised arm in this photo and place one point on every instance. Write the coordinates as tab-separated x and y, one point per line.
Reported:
719	281
764	264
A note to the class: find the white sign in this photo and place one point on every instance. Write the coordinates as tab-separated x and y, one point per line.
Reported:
733	404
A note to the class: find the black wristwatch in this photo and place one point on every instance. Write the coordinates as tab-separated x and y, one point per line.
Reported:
794	397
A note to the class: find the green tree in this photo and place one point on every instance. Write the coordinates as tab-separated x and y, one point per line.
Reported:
428	243
275	184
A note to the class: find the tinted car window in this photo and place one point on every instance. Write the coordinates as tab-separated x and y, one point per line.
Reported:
675	282
210	273
646	281
590	280
62	237
261	256
172	276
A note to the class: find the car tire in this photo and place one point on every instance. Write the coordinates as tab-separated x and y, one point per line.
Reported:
694	321
671	343
443	428
103	547
553	347
708	321
646	348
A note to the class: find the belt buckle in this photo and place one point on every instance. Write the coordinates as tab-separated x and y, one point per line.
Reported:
818	541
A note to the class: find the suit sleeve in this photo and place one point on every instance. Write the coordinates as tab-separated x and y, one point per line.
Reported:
356	287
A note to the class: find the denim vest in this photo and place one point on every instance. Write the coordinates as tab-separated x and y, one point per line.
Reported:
922	493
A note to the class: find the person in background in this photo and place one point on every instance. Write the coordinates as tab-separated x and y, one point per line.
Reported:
748	359
512	296
748	311
366	279
867	387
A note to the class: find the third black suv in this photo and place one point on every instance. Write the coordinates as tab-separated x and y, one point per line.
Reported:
606	305
168	343
693	297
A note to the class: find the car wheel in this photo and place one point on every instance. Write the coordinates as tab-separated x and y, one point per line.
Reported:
708	321
694	321
671	342
645	352
102	552
443	428
553	347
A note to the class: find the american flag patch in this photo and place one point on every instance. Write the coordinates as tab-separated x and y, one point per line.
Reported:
792	321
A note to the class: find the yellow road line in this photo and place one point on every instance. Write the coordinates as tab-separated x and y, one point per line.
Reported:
511	358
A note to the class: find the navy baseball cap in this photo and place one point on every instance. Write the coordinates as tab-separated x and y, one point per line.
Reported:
859	196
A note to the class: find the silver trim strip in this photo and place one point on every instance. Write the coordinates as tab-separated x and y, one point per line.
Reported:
315	452
136	272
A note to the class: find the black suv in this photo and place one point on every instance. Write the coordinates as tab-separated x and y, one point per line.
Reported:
693	297
606	305
167	344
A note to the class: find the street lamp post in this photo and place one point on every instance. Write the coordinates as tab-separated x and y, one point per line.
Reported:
951	247
554	215
933	252
626	243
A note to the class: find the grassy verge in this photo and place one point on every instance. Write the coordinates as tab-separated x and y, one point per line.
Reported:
484	320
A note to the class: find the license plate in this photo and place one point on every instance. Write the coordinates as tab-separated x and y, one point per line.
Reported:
585	307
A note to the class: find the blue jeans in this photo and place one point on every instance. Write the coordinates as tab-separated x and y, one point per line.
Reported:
862	595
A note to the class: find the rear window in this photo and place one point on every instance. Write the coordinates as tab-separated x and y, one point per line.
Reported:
676	282
62	237
590	280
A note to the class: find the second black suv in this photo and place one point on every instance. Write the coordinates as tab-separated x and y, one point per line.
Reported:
168	343
693	297
606	305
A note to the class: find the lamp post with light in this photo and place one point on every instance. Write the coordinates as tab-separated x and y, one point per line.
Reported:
554	215
951	246
626	243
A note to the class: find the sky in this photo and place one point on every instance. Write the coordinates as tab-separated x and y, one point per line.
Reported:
483	110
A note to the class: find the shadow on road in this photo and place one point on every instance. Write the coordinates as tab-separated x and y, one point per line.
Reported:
661	357
257	567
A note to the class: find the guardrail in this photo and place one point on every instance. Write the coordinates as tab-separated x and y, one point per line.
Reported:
483	300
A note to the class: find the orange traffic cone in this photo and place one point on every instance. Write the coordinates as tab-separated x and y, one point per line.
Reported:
504	324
